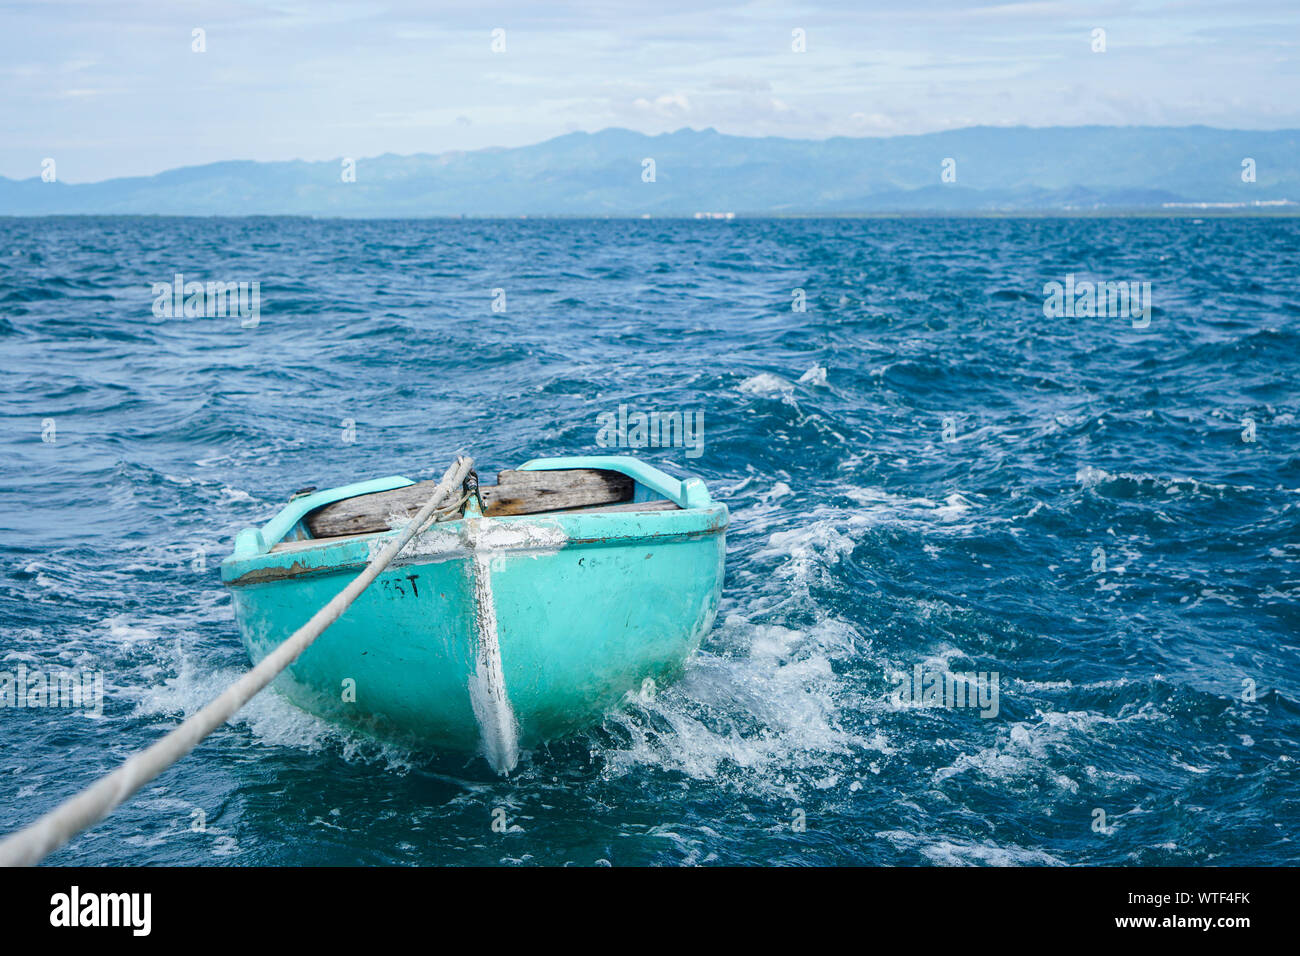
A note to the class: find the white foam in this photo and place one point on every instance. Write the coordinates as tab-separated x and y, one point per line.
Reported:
1090	477
1024	752
778	491
814	376
765	383
880	507
807	550
268	717
761	714
953	507
955	851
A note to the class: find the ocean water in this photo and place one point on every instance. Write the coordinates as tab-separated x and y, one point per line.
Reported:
923	470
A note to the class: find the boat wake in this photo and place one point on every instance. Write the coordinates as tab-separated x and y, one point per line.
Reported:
761	712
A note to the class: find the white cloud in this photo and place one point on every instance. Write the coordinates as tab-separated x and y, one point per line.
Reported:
669	105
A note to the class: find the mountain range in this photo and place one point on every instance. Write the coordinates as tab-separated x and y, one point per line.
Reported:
975	170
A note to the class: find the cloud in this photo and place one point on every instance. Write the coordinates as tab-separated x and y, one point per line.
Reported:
669	105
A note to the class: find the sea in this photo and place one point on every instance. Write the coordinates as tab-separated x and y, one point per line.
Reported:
1013	569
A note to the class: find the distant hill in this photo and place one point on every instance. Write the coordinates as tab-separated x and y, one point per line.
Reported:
600	174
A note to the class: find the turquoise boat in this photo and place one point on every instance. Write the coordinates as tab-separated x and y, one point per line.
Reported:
489	632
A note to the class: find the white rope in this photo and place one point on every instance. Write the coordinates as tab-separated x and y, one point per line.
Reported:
31	844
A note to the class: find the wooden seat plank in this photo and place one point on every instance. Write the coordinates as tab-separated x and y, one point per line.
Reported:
516	493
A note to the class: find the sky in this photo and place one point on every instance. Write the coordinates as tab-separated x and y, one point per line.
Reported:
115	87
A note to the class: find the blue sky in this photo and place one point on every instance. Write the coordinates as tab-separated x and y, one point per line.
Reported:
113	88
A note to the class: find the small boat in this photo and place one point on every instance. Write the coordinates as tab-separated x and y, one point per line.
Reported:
527	610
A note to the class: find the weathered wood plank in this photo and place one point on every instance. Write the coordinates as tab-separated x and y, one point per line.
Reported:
533	492
368	513
516	493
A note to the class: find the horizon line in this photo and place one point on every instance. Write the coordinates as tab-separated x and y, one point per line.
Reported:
1285	209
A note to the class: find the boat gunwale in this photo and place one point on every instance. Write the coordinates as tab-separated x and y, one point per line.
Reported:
352	553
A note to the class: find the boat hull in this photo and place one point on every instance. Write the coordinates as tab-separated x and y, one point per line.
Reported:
578	609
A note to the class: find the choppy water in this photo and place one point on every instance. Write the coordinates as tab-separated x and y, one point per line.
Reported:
862	544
